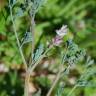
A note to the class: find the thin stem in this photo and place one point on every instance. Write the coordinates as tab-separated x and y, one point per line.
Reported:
27	77
18	43
33	31
72	90
55	82
61	69
59	75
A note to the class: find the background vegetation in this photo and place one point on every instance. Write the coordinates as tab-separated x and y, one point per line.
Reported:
79	15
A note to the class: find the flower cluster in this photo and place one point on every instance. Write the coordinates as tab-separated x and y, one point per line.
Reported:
60	34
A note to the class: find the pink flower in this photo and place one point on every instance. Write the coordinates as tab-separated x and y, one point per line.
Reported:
63	31
57	40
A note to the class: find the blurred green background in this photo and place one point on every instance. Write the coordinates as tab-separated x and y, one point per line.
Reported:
79	15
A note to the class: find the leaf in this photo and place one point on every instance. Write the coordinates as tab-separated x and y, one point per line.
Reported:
89	61
12	2
19	13
82	83
87	84
74	53
38	52
88	73
84	78
36	5
27	38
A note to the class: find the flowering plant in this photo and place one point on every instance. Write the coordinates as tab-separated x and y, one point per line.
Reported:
71	56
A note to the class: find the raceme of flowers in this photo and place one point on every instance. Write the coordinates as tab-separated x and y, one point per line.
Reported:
60	34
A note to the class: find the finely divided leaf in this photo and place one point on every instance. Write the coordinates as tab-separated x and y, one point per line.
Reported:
27	38
38	52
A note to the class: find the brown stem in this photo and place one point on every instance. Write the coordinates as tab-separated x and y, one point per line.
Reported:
32	29
27	80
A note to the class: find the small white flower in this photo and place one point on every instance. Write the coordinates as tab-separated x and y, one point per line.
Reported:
63	31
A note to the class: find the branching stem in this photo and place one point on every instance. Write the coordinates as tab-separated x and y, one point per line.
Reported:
33	66
18	43
27	77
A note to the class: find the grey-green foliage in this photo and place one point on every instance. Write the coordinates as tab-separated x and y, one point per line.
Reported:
19	13
84	78
27	38
89	72
89	61
74	53
12	2
38	52
36	4
87	84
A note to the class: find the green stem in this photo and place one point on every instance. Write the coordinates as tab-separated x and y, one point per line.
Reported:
55	82
61	69
27	77
18	43
72	90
